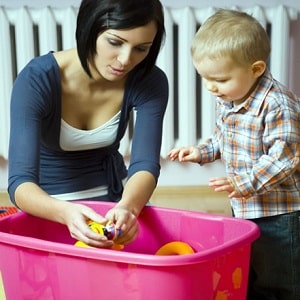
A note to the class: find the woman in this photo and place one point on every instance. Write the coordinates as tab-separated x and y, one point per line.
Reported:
70	109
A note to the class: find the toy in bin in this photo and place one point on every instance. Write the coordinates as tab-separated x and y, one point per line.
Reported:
7	210
175	248
109	230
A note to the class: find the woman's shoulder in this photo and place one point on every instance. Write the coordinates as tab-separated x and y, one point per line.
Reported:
155	78
38	81
157	74
41	73
152	87
40	66
43	61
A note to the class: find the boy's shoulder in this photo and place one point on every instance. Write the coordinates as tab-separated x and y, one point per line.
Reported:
272	89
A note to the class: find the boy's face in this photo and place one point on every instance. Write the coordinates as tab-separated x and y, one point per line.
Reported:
226	79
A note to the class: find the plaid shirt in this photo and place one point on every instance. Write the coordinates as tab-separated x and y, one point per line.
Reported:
259	143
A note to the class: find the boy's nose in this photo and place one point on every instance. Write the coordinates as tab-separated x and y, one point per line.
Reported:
211	87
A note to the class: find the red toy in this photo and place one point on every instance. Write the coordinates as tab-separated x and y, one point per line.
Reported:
7	210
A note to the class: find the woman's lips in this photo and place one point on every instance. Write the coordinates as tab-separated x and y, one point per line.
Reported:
117	71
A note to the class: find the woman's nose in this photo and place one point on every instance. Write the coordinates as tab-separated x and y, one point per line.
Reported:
124	57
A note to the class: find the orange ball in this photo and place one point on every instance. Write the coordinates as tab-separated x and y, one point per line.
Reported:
175	248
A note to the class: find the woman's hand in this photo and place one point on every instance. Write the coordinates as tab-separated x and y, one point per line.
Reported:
76	217
126	221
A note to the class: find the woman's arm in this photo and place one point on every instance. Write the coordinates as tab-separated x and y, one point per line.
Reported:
149	98
137	192
32	199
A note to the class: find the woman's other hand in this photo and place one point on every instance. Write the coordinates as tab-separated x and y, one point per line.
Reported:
125	221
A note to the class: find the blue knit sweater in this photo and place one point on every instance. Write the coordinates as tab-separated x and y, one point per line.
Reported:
34	151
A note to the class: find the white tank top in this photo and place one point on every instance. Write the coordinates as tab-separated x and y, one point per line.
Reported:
73	139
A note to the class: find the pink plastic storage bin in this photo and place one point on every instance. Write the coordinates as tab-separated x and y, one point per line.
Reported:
38	259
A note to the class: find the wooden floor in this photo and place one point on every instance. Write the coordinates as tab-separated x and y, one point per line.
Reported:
4	200
200	198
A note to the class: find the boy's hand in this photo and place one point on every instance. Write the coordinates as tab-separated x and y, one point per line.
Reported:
224	184
185	154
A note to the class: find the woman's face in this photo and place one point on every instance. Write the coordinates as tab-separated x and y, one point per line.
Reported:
119	51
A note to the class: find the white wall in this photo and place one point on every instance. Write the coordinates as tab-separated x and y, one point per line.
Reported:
175	173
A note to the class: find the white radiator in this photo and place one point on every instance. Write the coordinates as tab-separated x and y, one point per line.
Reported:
28	32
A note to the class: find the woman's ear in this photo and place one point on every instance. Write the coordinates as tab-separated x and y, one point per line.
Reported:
258	68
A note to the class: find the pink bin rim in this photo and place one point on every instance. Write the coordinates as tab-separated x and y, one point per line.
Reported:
250	235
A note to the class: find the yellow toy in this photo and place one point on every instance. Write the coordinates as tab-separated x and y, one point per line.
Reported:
175	248
109	230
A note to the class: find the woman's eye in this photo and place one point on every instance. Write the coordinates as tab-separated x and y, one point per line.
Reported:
114	42
142	49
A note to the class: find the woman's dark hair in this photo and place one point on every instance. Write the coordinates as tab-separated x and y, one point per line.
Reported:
96	16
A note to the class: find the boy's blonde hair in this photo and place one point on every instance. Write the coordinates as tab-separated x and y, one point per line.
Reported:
231	33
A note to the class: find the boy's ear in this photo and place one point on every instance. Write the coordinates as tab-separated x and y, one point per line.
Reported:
258	68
